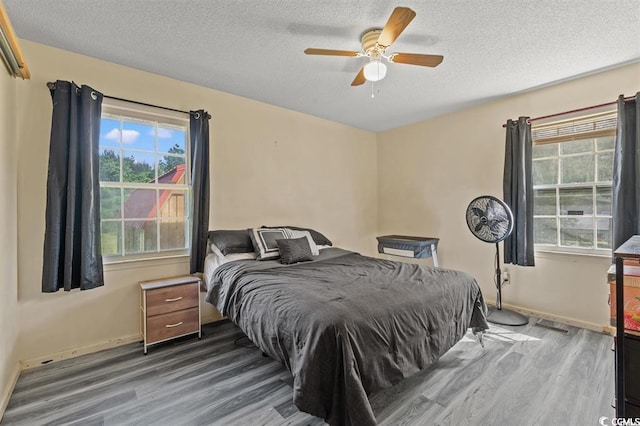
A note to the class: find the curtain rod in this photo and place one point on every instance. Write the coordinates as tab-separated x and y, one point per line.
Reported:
51	85
627	99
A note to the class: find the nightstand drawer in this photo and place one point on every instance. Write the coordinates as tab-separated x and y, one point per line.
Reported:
173	324
171	299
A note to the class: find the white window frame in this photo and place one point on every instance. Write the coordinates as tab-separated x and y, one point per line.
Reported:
128	111
558	247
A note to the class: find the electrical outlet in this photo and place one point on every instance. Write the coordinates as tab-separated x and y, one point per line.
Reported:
506	278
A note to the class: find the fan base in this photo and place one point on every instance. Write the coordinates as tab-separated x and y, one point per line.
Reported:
506	317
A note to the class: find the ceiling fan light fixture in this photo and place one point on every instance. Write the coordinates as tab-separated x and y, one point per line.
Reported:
375	70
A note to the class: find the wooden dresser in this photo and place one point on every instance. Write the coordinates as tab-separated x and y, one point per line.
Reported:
170	308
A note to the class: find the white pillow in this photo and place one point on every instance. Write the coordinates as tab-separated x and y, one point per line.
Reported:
215	250
237	256
216	259
292	233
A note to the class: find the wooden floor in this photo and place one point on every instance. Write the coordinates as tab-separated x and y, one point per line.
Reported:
524	376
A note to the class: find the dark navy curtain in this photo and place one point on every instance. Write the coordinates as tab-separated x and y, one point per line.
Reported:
518	192
199	134
72	252
626	172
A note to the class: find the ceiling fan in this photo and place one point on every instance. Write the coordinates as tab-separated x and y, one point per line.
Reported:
375	42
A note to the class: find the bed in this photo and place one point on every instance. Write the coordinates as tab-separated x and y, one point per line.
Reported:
344	324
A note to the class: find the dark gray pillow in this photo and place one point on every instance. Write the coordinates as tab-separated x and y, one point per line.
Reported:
294	250
232	241
319	239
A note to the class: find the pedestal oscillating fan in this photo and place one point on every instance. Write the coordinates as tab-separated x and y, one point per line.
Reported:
491	221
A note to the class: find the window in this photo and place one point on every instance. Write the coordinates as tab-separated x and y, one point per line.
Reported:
144	183
572	173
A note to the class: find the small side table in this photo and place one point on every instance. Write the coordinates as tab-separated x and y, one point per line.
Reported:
409	246
170	309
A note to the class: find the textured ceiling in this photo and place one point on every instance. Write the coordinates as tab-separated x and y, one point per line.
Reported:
255	48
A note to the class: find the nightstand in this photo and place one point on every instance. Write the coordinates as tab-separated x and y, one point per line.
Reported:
170	309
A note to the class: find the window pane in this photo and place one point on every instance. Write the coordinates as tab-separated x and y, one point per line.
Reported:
576	232
139	203
138	167
141	136
143	152
605	143
577	201
109	165
576	169
171	169
111	237
574	147
544	202
172	234
545	231
603	200
110	133
110	203
171	140
545	172
604	233
140	236
548	150
605	166
173	203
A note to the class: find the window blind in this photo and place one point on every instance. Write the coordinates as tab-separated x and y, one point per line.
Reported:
584	127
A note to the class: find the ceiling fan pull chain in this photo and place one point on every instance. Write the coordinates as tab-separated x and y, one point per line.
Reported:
374	90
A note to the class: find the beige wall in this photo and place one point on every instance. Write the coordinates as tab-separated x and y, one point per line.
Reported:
269	166
8	235
275	166
428	173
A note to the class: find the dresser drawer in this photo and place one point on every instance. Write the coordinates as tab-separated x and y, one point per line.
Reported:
173	324
174	298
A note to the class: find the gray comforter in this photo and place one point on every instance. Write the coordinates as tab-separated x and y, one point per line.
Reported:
347	325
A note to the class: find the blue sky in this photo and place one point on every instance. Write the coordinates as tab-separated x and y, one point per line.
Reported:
138	136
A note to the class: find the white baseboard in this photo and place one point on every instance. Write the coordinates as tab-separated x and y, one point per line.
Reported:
72	353
557	318
6	394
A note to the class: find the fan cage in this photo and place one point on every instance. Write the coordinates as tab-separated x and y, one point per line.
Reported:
489	219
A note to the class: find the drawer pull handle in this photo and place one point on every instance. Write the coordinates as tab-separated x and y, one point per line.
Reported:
173	325
175	299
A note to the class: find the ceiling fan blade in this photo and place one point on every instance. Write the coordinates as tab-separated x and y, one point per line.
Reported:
398	21
416	59
331	52
359	80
